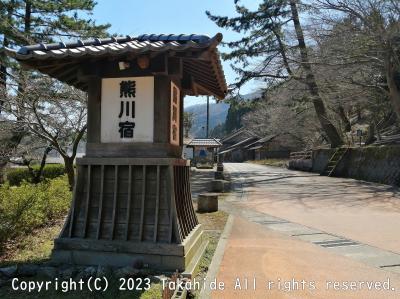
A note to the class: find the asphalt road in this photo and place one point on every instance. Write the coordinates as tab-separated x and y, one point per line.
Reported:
364	212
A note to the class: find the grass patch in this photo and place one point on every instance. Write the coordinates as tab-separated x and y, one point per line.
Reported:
213	224
33	248
271	162
29	207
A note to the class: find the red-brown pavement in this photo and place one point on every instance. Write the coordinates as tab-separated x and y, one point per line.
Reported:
254	252
365	212
362	211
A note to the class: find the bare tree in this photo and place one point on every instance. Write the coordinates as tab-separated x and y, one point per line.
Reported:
51	111
370	34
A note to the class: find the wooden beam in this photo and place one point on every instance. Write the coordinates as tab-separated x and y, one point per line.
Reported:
175	67
159	65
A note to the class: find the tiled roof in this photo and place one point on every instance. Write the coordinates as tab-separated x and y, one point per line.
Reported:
241	133
206	70
205	142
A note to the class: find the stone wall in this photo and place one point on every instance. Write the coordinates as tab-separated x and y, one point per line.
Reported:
375	164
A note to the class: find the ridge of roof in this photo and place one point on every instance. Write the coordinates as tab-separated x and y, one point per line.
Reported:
181	38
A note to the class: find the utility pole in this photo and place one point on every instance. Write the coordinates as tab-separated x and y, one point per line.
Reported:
208	115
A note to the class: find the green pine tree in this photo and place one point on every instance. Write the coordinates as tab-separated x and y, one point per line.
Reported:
266	52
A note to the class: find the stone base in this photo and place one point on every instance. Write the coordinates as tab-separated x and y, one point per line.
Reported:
217	185
160	256
219	175
207	202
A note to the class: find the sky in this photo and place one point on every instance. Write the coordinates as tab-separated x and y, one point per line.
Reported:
172	16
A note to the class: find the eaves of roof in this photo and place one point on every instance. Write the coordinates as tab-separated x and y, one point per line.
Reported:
57	59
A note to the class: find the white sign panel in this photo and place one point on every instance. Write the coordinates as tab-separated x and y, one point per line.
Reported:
127	109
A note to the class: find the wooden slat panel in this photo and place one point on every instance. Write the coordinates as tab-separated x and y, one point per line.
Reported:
74	196
189	196
87	200
173	220
143	203
100	202
115	202
188	215
157	205
181	203
129	202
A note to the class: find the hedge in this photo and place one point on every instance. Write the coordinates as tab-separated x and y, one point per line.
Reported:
30	206
16	176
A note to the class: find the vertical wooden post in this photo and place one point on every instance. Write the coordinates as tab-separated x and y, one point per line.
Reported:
94	110
173	219
189	196
143	203
157	204
100	202
87	204
129	202
74	196
114	213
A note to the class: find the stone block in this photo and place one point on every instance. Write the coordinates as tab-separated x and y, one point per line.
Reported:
217	185
207	202
219	175
227	186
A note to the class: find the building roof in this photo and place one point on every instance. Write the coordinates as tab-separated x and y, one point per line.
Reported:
199	55
212	142
238	135
240	144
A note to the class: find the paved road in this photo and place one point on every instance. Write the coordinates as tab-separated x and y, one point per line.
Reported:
289	228
362	211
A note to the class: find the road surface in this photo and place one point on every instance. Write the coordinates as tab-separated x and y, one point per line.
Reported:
362	211
307	236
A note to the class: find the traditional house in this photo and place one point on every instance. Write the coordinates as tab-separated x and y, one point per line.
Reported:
204	151
234	146
273	147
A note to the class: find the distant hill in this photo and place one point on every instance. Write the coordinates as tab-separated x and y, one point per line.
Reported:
218	114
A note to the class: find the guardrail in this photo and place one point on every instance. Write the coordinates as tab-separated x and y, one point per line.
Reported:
305	155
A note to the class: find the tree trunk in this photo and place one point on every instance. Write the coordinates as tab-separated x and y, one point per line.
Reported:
70	171
319	106
3	58
39	173
393	82
344	118
3	166
370	134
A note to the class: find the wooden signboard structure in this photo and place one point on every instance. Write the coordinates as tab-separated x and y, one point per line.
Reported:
132	199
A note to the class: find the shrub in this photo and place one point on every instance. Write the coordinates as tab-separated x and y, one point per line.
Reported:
27	207
52	171
16	176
